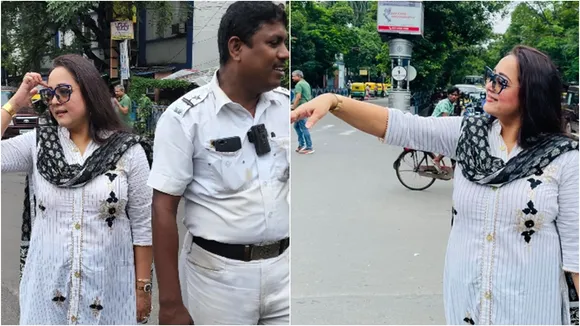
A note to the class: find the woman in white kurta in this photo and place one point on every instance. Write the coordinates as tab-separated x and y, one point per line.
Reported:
89	256
515	231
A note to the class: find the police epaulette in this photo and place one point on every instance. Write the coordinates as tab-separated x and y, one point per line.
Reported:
191	102
188	102
282	90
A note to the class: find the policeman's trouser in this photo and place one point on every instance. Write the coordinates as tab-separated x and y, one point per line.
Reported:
218	290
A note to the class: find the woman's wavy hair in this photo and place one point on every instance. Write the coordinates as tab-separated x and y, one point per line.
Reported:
96	94
539	94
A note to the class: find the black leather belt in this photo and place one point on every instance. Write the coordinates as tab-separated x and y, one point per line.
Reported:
243	252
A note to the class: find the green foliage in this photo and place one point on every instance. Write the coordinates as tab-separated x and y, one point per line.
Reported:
551	27
24	47
286	79
29	28
319	32
144	110
138	85
370	53
454	34
137	90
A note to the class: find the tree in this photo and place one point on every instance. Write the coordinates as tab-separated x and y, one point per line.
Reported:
454	34
551	27
319	32
24	46
364	55
286	79
29	28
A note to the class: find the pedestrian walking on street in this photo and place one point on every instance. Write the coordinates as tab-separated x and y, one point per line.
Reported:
86	254
303	94
515	236
224	148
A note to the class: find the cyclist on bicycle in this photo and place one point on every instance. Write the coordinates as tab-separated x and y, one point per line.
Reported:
445	108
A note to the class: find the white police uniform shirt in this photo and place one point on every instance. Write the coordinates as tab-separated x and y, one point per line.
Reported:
236	198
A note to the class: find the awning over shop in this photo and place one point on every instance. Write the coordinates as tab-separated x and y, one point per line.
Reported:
198	77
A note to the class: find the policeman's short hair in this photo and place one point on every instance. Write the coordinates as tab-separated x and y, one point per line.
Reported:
243	19
298	73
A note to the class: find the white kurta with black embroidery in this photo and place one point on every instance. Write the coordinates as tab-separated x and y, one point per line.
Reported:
80	267
509	246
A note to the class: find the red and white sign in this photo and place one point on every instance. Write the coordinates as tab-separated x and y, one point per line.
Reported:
400	17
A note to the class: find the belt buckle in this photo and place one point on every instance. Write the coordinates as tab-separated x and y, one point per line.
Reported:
248	252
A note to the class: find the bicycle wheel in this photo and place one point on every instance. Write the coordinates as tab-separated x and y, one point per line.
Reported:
409	163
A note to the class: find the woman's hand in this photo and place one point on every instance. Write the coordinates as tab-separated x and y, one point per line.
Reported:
23	96
143	305
315	109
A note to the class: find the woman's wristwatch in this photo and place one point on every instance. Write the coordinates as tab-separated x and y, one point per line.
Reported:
8	108
144	285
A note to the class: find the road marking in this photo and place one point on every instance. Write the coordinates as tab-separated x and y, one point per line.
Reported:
348	132
325	127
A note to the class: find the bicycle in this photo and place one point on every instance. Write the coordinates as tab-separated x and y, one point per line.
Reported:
422	164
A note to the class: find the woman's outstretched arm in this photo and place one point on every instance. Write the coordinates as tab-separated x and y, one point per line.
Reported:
439	135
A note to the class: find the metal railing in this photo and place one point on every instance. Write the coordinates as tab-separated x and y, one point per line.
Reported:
147	127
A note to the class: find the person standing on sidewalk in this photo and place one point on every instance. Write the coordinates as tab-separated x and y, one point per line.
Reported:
303	94
123	105
224	147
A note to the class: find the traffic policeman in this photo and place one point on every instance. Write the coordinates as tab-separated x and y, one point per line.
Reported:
224	148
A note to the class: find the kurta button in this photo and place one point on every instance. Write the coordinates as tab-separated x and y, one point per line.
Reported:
77	274
77	226
73	319
502	147
489	237
270	214
487	295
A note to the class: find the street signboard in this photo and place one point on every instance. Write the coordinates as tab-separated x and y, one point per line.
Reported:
400	17
122	30
399	73
124	60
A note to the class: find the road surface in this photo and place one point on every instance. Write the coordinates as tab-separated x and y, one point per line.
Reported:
365	250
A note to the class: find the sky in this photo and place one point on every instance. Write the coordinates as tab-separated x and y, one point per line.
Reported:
503	24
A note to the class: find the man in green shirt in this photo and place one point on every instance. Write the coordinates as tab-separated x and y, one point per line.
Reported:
446	107
302	94
124	103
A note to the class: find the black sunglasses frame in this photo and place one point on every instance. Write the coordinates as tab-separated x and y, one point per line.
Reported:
494	78
49	92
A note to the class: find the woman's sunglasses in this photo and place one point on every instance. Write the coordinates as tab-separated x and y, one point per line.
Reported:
61	91
498	82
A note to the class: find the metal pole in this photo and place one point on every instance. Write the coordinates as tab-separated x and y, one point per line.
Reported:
392	80
399	63
408	65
